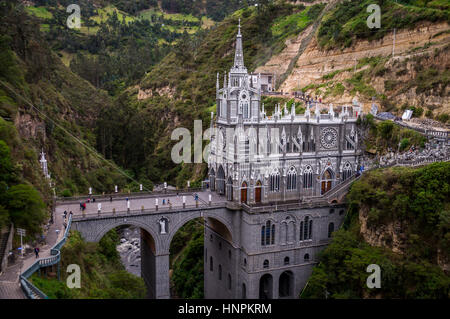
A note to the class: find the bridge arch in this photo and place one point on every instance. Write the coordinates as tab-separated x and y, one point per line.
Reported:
131	222
219	224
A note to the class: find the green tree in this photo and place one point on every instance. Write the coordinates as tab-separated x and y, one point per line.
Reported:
26	208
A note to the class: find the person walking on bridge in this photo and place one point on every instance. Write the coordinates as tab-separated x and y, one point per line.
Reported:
36	251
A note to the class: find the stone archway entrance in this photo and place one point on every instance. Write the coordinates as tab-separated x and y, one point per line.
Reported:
244	193
266	287
327	179
258	192
286	285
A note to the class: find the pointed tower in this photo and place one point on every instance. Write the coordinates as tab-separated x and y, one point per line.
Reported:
239	53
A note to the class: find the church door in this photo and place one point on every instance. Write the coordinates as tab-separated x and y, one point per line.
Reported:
327	177
258	192
244	193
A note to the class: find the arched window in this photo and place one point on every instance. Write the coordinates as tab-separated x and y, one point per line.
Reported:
308	177
268	234
221	180
274	182
286	260
211	264
210	237
244	291
229	254
306	229
301	231
347	171
266	264
292	179
332	211
306	257
263	235
341	212
245	261
229	281
272	239
330	229
306	224
310	230
220	245
350	140
220	272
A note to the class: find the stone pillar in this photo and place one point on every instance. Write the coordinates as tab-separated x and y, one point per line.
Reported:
162	290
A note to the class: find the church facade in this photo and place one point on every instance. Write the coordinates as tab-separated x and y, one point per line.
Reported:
260	163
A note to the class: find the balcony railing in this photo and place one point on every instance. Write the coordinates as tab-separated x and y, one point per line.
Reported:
30	290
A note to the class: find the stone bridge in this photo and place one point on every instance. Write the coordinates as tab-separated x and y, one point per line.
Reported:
158	223
160	216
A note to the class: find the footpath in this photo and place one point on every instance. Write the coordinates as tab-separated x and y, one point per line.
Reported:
9	279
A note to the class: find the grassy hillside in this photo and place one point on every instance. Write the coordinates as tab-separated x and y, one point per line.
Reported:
44	106
182	89
347	22
399	219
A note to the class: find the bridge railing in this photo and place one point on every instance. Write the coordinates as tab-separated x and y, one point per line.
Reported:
30	290
166	208
106	197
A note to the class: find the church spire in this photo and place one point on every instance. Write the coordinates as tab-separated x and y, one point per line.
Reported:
239	54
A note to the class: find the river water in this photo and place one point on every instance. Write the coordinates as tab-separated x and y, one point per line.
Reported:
129	249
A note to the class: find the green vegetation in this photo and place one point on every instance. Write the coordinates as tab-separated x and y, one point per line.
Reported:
347	22
102	274
292	25
386	135
418	199
186	252
32	73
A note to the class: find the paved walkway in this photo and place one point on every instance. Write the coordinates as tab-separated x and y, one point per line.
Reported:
120	205
9	279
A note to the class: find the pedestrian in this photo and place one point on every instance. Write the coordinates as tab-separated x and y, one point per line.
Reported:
81	206
164	201
36	251
168	201
93	200
110	199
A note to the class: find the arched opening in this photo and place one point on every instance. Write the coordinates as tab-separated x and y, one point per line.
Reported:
220	181
229	189
244	193
189	268
327	180
244	291
330	229
134	247
266	287
212	179
258	189
286	260
286	285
